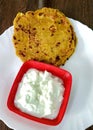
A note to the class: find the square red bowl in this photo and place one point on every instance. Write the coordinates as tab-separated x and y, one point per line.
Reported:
61	73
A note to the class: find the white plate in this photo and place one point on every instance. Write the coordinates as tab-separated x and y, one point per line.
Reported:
79	114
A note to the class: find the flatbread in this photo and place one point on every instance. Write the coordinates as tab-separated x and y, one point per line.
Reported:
44	35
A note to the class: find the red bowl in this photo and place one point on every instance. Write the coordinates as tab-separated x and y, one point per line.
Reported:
61	73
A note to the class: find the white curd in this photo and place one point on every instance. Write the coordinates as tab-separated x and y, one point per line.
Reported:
39	94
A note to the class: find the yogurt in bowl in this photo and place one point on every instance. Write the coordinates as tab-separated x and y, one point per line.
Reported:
40	92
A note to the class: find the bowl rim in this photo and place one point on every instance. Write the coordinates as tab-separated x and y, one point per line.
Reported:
59	72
